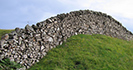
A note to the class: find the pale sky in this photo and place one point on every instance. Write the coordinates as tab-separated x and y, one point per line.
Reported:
19	13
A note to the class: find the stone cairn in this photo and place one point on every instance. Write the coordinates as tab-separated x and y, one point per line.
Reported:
26	46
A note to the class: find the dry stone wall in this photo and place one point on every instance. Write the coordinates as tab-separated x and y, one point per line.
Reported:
26	46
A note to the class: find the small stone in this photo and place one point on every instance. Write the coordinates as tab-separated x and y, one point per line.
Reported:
57	43
2	43
18	61
36	60
42	47
76	33
25	56
6	54
55	22
15	56
31	34
37	35
15	37
39	25
13	52
24	68
1	56
61	43
50	39
15	41
58	29
23	35
13	33
30	45
10	41
19	40
11	58
5	50
21	62
27	66
31	56
44	33
23	46
49	21
80	30
17	30
59	39
27	27
44	53
33	61
5	37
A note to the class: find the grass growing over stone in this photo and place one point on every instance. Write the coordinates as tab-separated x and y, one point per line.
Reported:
2	32
89	52
6	64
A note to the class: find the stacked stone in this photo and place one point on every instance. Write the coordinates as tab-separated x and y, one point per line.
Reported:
26	46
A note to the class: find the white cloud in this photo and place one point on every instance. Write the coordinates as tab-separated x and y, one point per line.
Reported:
38	10
46	15
120	7
121	10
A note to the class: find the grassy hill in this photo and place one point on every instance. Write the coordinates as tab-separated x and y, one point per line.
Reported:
88	52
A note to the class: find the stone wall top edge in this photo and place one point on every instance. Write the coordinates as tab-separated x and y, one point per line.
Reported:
84	12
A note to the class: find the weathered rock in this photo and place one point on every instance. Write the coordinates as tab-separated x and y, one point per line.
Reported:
50	39
25	56
11	58
20	40
23	35
27	27
2	43
42	47
5	37
49	21
2	56
17	30
15	56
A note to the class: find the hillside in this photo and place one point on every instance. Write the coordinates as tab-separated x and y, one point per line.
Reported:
89	52
83	52
28	45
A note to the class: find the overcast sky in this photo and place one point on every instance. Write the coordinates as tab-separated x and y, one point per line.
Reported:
18	13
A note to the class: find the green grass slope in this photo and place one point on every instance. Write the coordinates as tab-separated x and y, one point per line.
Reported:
89	52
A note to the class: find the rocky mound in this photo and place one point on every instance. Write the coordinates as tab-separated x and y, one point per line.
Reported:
26	46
